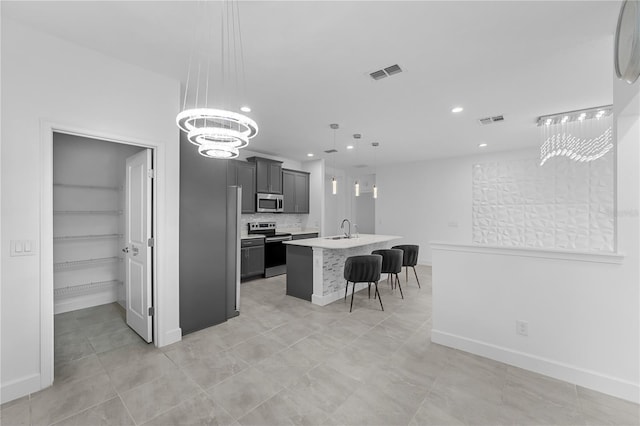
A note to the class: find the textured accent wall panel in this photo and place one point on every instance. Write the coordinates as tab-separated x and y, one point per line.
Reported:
563	204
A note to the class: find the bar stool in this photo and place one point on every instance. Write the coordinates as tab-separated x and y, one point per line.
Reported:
363	269
391	264
410	258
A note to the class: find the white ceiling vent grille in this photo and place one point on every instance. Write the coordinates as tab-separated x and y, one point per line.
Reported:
490	120
386	72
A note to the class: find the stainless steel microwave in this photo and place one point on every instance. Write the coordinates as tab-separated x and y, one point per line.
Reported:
269	203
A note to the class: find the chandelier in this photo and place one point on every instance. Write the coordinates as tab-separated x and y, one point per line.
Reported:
582	135
217	132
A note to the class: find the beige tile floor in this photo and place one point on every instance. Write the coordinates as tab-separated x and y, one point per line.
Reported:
284	361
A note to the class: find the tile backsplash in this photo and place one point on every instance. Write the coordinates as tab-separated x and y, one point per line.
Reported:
288	221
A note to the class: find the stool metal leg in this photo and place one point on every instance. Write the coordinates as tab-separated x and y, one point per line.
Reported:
379	298
414	271
352	293
345	290
406	277
399	286
369	289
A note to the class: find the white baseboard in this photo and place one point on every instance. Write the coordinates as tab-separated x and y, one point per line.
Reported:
332	297
68	304
171	336
19	388
614	386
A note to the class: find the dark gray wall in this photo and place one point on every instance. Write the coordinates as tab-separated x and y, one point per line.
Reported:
203	217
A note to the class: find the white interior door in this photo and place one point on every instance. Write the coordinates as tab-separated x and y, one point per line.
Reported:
137	268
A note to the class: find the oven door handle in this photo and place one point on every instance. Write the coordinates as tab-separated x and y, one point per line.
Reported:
277	239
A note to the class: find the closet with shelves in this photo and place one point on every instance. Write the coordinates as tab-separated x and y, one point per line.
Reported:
88	221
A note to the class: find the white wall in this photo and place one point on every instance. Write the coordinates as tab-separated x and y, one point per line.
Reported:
582	310
315	219
45	79
287	163
337	207
431	200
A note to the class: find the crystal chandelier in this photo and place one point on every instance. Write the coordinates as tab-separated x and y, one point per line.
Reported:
582	135
217	132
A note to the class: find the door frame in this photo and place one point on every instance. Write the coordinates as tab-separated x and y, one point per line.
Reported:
47	129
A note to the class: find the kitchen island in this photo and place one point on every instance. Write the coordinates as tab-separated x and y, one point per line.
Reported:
315	265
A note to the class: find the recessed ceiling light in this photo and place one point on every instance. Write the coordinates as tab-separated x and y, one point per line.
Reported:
310	154
245	109
349	146
457	109
482	145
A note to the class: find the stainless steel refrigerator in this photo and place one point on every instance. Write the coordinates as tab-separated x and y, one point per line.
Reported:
209	241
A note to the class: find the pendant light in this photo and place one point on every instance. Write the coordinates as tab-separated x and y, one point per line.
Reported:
375	168
217	132
334	182
357	137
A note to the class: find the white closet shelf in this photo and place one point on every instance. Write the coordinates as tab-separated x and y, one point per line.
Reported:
86	237
92	287
59	266
69	185
88	212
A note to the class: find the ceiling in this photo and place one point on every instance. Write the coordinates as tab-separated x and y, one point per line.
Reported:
308	63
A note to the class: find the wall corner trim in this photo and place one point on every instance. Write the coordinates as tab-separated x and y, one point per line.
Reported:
170	337
579	256
582	377
19	388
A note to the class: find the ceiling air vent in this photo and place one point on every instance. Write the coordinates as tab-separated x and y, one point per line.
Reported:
331	151
386	72
393	69
490	120
377	75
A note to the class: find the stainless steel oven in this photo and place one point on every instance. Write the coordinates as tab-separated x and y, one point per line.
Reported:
269	203
275	252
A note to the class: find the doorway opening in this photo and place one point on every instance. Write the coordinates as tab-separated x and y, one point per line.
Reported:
102	247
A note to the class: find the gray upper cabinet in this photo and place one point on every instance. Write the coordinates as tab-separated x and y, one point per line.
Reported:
295	191
268	175
243	173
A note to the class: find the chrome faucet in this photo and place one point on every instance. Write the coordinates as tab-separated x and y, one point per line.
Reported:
346	234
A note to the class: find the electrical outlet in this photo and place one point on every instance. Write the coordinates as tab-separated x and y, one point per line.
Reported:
522	328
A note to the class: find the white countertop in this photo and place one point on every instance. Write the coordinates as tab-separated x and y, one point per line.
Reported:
292	231
251	237
345	243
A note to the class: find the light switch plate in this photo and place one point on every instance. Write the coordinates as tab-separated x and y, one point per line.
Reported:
22	248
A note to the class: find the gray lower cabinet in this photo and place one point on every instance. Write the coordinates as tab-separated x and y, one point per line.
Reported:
295	190
300	268
252	258
300	272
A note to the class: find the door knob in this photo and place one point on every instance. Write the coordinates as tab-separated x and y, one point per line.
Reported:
125	250
135	250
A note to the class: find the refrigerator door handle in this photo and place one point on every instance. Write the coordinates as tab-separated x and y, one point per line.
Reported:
234	207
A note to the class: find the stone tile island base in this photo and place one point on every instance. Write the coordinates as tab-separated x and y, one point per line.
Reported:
315	266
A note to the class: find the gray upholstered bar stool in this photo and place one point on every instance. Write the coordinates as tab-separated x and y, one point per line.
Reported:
410	258
391	264
363	269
